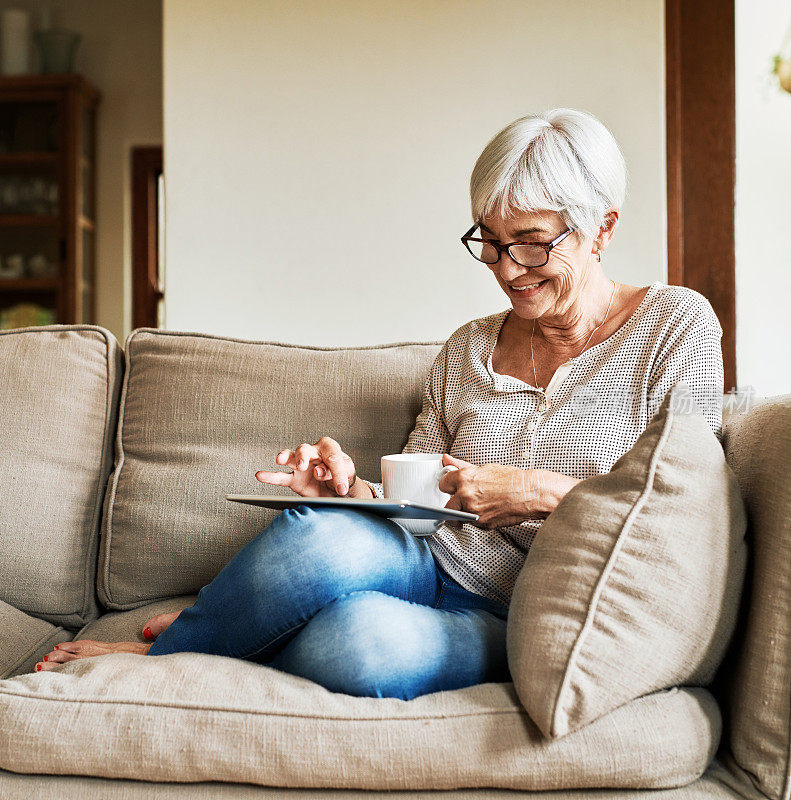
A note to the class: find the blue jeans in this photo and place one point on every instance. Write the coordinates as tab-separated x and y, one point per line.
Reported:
349	600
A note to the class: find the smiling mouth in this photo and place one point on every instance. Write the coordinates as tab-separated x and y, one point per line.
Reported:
528	287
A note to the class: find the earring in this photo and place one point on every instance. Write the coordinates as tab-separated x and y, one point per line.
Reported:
598	255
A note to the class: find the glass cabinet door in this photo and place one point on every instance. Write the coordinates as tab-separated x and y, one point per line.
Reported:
29	126
47	199
30	252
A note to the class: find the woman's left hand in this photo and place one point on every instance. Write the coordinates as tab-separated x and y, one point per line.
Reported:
500	495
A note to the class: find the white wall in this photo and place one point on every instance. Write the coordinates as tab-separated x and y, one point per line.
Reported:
121	54
318	155
763	201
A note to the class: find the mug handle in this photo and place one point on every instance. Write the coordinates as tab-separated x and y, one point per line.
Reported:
444	471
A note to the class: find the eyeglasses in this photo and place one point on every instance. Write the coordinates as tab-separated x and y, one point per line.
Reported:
526	254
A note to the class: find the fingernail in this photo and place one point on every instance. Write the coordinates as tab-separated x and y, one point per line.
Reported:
342	488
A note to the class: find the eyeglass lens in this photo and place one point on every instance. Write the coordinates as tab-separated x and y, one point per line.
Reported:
525	254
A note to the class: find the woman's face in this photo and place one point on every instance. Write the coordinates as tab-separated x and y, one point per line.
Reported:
559	280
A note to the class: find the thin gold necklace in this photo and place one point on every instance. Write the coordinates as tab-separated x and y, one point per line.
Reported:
535	379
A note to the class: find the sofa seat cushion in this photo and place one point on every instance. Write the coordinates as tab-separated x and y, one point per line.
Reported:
14	786
634	582
188	717
127	626
24	640
59	388
199	415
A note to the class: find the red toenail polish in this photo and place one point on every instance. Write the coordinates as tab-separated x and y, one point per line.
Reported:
38	667
45	658
147	633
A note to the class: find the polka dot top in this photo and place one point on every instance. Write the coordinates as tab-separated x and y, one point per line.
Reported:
591	413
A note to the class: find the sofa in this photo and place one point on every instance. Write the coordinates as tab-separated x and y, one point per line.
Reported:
114	464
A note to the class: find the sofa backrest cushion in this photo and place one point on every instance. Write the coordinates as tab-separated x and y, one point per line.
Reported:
201	414
59	389
754	685
633	583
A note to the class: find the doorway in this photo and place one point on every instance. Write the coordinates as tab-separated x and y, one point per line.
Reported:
148	232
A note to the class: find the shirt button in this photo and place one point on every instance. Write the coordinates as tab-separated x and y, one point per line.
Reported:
543	406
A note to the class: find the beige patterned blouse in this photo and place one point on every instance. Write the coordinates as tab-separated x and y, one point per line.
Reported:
591	413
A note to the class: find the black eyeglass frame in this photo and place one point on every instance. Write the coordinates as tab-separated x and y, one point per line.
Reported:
547	247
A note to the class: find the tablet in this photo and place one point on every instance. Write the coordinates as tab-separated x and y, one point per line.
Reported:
384	506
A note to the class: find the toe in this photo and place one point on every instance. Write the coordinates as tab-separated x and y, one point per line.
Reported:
157	624
59	656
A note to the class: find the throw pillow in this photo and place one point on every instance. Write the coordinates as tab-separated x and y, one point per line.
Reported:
633	582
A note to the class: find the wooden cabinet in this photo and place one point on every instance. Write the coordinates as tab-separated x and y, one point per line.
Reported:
47	200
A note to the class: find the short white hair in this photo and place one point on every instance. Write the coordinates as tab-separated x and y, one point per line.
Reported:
563	160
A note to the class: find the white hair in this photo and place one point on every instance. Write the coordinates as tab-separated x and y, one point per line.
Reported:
563	160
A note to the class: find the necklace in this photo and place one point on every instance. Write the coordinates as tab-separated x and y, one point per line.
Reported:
535	379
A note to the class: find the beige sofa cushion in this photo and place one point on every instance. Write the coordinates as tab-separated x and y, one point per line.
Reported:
200	414
24	640
75	787
59	387
634	582
193	717
757	684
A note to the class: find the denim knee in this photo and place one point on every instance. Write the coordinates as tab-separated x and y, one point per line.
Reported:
363	644
327	547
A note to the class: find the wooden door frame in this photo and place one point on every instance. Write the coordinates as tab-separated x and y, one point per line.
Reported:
701	157
146	168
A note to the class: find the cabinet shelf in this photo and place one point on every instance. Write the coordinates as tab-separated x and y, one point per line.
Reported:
29	284
28	159
28	220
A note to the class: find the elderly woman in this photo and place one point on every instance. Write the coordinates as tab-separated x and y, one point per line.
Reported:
526	403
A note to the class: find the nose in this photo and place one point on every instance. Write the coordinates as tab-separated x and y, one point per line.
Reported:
508	268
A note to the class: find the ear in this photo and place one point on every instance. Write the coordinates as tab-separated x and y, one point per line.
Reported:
607	229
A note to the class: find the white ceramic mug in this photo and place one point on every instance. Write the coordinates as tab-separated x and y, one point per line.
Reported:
414	476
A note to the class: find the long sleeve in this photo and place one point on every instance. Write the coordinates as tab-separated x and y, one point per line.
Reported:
430	434
693	355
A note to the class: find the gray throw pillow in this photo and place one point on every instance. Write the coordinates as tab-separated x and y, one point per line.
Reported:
634	580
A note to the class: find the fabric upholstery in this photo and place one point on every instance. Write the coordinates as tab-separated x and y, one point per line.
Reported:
24	640
201	414
634	583
59	387
67	787
756	689
194	717
127	626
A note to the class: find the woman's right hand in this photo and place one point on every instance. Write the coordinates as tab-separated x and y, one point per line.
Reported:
320	470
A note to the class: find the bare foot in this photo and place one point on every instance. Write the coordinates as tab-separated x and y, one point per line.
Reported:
157	624
85	648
